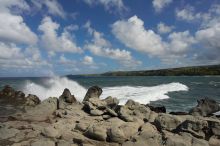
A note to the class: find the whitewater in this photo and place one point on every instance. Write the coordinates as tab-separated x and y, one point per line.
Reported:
53	87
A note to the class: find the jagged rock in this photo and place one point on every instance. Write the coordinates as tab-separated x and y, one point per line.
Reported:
195	127
205	107
183	139
148	136
8	91
168	122
32	100
214	125
19	94
93	92
97	132
67	97
41	112
111	102
50	132
111	112
124	114
159	109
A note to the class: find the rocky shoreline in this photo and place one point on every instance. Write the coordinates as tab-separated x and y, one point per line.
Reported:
63	121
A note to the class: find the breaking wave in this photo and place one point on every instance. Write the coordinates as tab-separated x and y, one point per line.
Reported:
54	87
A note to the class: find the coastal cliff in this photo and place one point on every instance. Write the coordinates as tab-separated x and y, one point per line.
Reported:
64	121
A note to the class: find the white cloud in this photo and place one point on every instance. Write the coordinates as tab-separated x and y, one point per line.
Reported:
163	28
109	5
14	29
53	7
133	34
12	57
6	5
55	43
180	42
101	47
13	25
88	60
160	4
187	14
210	36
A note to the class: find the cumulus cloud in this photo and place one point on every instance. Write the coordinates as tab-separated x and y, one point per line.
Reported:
133	34
160	4
101	47
110	5
14	57
53	7
12	26
54	42
163	28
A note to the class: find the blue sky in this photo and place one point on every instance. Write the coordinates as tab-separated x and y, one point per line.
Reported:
59	37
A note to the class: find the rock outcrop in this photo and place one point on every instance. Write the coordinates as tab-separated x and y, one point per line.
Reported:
96	122
205	107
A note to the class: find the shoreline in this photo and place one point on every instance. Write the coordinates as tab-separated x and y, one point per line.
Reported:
63	121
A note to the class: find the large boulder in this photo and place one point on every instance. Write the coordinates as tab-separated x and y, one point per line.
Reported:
93	92
167	122
97	132
205	107
111	102
41	112
8	91
32	100
66	99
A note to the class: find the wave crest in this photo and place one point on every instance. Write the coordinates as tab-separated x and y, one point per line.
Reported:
54	87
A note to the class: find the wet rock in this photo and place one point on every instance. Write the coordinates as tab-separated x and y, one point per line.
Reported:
93	92
159	109
205	107
8	91
178	113
32	100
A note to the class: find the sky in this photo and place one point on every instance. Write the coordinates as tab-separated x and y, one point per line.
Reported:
60	37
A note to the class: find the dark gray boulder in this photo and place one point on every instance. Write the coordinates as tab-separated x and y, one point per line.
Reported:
93	92
67	97
32	100
205	107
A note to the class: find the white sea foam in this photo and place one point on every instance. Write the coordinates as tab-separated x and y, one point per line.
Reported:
143	94
54	87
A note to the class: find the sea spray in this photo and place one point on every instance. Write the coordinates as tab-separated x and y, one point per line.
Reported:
53	87
143	94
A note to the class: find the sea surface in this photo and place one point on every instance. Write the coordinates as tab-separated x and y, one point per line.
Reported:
175	93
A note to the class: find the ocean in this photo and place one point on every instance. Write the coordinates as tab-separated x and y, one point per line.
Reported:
176	93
